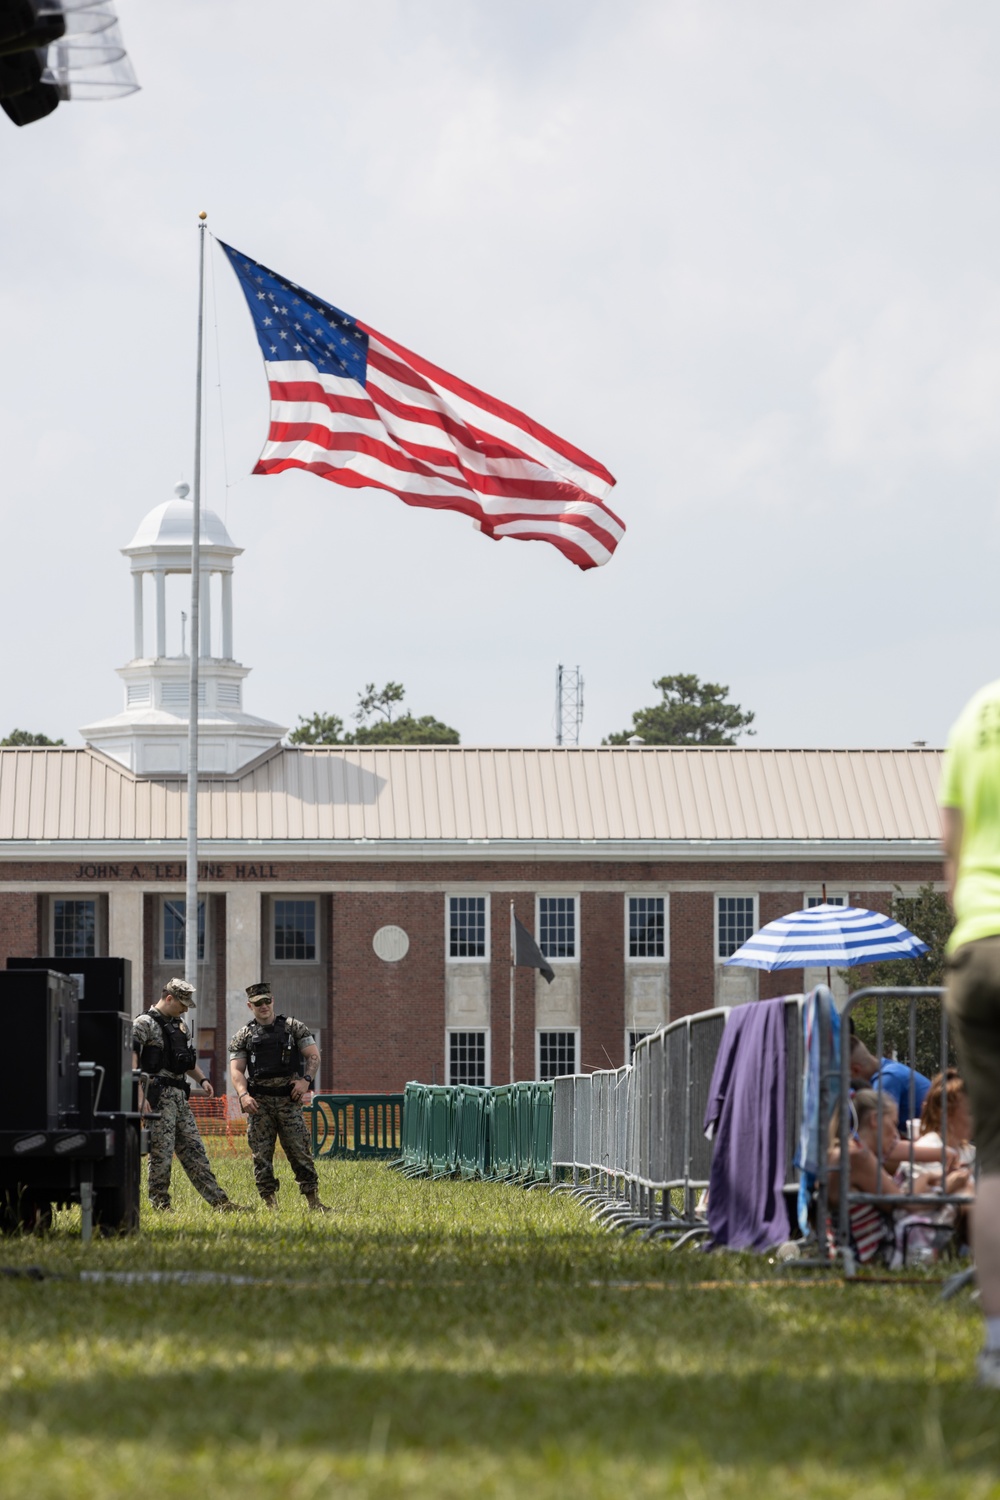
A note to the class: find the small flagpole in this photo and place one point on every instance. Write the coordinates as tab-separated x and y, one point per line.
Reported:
191	899
513	952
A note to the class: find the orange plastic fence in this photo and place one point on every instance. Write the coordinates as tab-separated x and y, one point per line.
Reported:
216	1123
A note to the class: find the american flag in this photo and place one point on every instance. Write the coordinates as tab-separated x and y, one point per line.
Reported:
351	405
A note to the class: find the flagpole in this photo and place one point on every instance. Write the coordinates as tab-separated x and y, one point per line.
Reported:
191	899
512	956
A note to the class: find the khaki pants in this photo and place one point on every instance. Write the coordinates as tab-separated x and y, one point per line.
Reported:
973	1000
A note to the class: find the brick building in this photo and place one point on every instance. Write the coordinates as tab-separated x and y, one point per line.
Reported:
373	887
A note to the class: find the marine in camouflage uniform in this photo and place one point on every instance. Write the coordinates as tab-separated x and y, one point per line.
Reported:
166	1090
273	1061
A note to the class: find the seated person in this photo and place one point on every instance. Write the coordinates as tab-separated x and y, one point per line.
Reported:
957	1129
889	1076
872	1229
946	1088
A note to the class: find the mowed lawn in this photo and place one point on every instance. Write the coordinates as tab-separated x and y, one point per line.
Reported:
460	1339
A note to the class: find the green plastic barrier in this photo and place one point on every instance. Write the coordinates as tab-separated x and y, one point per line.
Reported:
541	1145
524	1101
412	1120
440	1130
503	1143
356	1125
502	1134
414	1158
470	1130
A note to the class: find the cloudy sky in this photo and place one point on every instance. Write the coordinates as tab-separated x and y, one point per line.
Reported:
744	254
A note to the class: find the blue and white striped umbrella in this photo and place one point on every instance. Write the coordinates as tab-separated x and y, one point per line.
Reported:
831	935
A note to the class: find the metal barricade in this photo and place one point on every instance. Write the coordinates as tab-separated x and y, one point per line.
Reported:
581	1124
794	1066
706	1034
925	1211
603	1083
676	1152
616	1186
656	1052
562	1125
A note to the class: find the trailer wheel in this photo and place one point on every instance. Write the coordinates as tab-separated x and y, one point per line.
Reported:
116	1209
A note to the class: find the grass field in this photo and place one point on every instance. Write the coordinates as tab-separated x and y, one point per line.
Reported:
456	1339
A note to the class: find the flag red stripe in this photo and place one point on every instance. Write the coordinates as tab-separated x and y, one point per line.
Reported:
350	442
413	362
426	460
557	489
354	481
378	400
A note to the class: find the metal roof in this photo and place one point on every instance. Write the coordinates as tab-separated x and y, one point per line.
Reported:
458	793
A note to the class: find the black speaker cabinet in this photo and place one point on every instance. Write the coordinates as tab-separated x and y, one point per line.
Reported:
101	983
105	1038
40	1077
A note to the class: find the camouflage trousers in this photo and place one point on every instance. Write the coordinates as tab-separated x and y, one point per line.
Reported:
280	1120
176	1131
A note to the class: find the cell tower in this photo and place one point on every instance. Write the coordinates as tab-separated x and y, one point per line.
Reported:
569	705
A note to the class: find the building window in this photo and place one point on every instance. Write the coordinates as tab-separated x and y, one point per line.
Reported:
556	1053
632	1040
294	932
812	901
74	929
557	927
647	926
467	936
736	918
467	1058
174	908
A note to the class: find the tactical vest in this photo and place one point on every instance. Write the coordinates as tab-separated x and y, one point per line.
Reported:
272	1051
175	1055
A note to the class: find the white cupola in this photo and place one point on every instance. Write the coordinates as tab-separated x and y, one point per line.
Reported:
150	736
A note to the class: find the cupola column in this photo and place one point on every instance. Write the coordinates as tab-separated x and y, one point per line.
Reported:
137	630
161	611
205	610
227	616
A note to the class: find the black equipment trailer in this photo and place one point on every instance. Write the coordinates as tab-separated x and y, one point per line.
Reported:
70	1128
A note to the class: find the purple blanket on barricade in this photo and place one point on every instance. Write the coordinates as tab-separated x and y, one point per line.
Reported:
745	1118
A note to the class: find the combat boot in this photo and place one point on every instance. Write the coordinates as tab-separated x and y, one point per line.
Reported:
271	1202
227	1206
315	1205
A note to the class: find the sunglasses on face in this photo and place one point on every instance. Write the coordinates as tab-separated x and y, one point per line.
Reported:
256	1003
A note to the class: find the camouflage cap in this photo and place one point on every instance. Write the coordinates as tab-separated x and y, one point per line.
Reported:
259	991
179	989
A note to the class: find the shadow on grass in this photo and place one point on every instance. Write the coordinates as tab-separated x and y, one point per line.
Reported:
775	1419
336	1248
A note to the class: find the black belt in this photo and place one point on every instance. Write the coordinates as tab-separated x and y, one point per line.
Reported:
158	1083
261	1091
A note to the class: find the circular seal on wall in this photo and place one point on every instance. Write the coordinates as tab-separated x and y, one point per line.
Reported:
391	944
